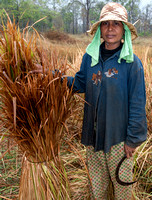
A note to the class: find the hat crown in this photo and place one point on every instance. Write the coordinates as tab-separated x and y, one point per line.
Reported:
114	11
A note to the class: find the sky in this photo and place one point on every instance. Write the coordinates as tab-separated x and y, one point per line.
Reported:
143	3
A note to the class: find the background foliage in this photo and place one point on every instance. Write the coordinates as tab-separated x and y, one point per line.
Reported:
73	16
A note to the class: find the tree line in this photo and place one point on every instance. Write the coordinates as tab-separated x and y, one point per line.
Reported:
70	16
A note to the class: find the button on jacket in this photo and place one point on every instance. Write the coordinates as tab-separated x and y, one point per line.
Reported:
116	102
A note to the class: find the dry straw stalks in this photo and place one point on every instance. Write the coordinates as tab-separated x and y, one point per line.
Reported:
34	109
143	154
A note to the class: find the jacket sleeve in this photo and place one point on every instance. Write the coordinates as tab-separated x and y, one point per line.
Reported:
137	124
79	81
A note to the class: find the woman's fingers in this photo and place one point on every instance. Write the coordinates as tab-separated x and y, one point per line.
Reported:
129	150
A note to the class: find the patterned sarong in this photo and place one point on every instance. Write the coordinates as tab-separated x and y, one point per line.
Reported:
102	168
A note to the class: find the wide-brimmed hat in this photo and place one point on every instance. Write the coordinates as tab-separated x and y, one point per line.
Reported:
114	11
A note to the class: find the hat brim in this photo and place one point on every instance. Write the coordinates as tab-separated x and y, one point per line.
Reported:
132	28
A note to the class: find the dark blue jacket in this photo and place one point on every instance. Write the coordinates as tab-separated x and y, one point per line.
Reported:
116	102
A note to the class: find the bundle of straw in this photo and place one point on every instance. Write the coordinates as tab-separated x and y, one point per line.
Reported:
34	108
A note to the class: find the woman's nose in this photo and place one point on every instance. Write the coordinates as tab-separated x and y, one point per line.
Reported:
110	27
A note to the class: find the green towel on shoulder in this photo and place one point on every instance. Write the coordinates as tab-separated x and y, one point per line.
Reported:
126	53
93	48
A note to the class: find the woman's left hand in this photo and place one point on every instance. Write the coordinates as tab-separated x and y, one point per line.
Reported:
129	151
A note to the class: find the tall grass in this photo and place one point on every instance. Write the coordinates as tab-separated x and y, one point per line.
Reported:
143	156
70	169
34	108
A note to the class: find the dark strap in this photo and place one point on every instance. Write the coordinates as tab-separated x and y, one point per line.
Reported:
117	174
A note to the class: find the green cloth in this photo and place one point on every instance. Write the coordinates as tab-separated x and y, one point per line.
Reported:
93	48
126	53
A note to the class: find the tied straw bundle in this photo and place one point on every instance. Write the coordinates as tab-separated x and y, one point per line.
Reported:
34	108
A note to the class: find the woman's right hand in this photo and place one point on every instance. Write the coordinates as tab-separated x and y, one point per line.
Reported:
38	69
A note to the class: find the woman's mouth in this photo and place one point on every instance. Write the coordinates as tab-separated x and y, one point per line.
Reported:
110	36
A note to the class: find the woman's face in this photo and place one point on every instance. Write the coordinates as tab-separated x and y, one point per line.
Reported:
112	32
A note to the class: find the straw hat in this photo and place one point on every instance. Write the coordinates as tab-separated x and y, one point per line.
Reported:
114	11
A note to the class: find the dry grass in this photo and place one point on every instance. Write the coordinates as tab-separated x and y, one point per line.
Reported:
144	153
34	109
34	105
59	37
73	158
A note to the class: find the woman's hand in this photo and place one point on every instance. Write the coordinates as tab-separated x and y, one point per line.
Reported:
129	151
38	69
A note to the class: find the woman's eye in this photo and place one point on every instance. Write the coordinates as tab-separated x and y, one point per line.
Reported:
117	23
104	23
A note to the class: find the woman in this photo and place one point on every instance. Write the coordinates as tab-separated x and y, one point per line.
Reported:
114	124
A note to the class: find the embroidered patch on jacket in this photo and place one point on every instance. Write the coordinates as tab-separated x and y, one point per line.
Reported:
96	77
111	72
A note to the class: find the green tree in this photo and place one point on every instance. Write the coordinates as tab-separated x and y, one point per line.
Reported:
95	12
132	7
27	11
86	6
67	17
71	16
145	27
